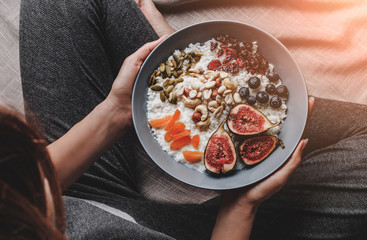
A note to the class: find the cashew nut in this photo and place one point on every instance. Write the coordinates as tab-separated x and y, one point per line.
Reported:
193	94
218	112
209	85
224	74
196	85
203	125
202	78
221	89
180	90
203	110
219	99
228	99
207	93
226	92
199	94
229	84
209	73
237	98
193	74
213	105
190	103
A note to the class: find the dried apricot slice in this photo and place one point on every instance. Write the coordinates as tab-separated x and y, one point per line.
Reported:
180	143
181	134
192	156
160	122
195	141
174	118
177	128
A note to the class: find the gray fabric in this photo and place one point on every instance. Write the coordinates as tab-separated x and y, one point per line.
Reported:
91	222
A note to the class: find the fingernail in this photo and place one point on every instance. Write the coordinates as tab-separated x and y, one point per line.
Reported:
305	141
312	99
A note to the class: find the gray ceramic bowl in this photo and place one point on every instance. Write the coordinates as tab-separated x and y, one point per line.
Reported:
285	65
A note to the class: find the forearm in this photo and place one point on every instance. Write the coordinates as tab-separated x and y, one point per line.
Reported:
233	223
84	143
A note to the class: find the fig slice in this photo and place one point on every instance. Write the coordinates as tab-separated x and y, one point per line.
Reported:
244	119
256	149
220	153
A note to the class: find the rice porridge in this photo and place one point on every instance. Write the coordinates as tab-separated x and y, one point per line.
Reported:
203	82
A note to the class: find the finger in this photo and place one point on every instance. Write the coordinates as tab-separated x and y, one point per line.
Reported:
132	64
286	170
139	56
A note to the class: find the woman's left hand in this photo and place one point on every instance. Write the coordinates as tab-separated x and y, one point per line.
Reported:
120	94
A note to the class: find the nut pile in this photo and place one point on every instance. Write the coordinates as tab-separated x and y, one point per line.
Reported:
171	72
208	96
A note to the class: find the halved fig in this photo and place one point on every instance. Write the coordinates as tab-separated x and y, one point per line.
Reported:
256	149
244	119
220	154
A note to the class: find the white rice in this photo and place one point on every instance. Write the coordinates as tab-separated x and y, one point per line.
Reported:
158	109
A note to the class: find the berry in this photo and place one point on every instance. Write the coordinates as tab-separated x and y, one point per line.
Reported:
251	100
273	77
240	63
262	97
244	92
220	52
213	46
254	82
282	91
227	60
234	67
214	64
231	52
275	102
271	88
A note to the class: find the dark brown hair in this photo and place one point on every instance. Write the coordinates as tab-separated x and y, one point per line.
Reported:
23	211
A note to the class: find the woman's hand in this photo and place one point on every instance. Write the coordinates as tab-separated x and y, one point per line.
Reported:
239	206
120	94
85	142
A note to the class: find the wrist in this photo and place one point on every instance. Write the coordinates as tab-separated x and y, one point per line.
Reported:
117	116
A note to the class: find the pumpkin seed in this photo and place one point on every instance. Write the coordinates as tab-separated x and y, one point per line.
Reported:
169	89
183	53
163	97
162	67
196	59
188	68
169	63
172	98
179	72
151	79
174	63
177	59
158	73
165	83
172	82
180	64
178	80
174	73
168	70
156	88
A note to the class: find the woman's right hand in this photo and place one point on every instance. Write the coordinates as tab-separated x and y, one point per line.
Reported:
239	206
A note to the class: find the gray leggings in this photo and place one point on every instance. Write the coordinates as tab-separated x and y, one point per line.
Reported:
70	53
